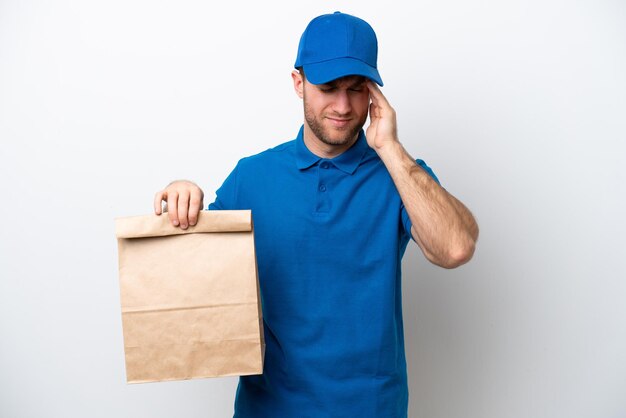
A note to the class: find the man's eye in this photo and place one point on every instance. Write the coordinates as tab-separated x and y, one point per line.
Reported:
356	89
327	89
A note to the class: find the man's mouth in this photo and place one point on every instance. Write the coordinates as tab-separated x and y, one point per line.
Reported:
339	122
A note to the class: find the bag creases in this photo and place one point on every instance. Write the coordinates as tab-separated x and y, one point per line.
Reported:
144	309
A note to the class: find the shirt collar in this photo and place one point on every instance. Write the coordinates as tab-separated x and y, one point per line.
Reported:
348	161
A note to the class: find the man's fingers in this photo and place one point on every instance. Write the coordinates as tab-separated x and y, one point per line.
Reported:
375	93
374	111
183	209
377	96
172	207
195	206
183	202
159	197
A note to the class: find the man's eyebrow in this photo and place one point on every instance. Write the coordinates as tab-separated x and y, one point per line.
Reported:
356	83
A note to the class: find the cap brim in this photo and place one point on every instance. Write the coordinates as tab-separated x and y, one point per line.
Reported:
327	71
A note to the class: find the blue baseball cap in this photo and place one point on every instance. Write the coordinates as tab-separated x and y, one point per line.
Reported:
337	45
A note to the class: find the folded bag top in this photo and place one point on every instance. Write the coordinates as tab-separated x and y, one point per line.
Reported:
208	221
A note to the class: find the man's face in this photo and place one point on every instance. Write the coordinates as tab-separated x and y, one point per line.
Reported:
336	111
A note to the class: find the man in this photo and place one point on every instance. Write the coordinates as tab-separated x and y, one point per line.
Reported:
334	210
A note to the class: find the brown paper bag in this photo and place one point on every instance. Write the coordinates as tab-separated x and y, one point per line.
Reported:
190	298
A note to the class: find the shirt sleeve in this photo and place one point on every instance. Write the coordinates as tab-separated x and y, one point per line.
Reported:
405	216
226	195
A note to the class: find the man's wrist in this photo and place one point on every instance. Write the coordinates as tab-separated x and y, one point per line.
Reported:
390	149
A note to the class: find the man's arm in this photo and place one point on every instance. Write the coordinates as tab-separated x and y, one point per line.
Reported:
184	200
442	226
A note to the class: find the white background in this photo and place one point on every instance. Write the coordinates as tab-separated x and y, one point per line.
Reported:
519	107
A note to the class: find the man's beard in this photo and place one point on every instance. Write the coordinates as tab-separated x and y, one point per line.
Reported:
321	133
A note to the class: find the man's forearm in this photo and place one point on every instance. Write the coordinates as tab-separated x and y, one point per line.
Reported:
442	226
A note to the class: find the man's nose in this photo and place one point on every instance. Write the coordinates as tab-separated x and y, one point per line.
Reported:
341	103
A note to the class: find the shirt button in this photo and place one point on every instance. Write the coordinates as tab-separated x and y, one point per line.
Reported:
322	188
325	165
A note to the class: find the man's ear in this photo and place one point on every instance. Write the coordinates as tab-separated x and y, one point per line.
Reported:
298	83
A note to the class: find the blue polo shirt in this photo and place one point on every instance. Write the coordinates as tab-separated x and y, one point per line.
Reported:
330	235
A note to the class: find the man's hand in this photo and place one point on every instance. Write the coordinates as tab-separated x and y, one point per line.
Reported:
183	202
383	128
